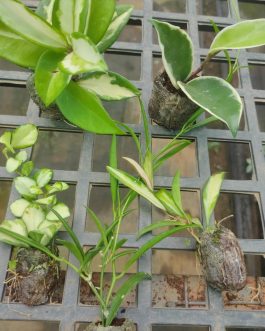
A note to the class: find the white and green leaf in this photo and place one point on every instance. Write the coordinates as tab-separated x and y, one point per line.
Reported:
165	197
12	164
177	51
18	207
109	86
16	226
33	216
245	34
140	172
45	10
23	185
5	139
56	187
43	177
24	136
217	97
61	209
21	156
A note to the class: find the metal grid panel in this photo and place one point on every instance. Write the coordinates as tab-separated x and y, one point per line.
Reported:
70	312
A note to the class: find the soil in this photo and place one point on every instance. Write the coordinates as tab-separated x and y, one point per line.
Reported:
117	325
169	107
35	277
222	260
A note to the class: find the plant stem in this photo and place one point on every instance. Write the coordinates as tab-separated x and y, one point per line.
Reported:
195	73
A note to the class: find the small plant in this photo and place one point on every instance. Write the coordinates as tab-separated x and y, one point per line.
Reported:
219	251
35	274
180	92
63	42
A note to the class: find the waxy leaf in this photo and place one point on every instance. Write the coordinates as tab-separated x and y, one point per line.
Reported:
211	193
85	110
217	97
45	10
165	197
21	156
84	58
12	164
244	34
43	177
176	195
16	226
61	209
140	172
48	230
177	51
109	86
120	19
10	42
158	225
101	13
23	186
33	216
24	136
135	185
18	207
49	79
51	200
56	187
27	168
32	27
64	16
5	139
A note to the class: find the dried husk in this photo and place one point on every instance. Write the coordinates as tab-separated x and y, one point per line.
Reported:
37	276
126	326
169	107
222	260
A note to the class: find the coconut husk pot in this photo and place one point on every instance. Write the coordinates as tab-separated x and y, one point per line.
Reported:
222	260
37	276
51	111
168	106
126	325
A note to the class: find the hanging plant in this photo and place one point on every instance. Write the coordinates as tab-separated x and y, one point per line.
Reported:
180	92
34	274
63	44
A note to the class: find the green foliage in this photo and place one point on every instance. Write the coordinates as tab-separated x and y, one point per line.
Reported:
62	41
32	209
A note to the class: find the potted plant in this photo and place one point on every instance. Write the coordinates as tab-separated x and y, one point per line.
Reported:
219	251
63	44
180	92
34	274
109	249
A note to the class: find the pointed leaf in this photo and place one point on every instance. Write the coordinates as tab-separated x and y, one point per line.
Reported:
114	184
51	200
64	16
101	13
32	27
109	86
49	79
12	165
84	58
211	193
43	177
56	187
120	19
84	109
18	207
17	226
24	136
176	191
29	53
135	185
48	230
177	51
126	287
217	97
45	10
72	248
5	139
61	209
244	34
33	216
140	172
165	197
158	225
23	185
99	226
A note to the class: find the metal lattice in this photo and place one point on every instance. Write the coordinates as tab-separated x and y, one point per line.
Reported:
213	315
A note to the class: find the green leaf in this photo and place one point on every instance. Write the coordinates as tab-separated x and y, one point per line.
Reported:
12	165
5	139
35	190
61	209
176	194
126	287
109	86
72	248
17	226
21	156
177	51
140	172
33	216
120	19
49	79
45	10
32	27
211	193
114	184
56	187
101	13
27	168
48	230
24	136
165	197
51	200
84	109
217	97
23	185
244	34
43	177
29	53
84	58
98	224
135	185
18	207
158	225
64	16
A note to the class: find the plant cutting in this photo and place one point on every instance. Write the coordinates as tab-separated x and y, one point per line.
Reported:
33	274
63	44
221	257
180	92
